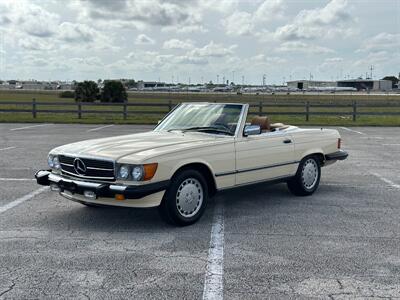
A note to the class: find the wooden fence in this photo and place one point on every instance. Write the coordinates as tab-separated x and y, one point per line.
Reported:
305	109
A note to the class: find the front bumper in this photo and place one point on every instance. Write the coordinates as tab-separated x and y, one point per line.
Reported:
102	190
338	155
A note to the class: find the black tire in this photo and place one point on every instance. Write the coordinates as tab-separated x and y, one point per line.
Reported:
298	185
172	211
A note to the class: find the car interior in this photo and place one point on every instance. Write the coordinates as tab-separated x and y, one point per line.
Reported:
266	126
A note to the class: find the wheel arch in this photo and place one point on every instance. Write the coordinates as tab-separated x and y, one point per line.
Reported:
204	169
315	152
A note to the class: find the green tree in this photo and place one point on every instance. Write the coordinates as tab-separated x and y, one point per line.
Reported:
131	83
113	91
86	91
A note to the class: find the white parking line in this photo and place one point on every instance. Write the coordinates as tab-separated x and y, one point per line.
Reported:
99	128
18	201
372	137
8	148
351	130
27	127
214	278
16	179
389	182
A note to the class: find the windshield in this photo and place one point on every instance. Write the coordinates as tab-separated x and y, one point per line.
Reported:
203	117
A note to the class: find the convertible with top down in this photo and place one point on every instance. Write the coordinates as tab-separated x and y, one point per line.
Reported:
197	150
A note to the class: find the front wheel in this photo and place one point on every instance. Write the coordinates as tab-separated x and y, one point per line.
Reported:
186	198
306	180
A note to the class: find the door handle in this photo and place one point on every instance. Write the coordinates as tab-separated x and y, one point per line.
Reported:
287	141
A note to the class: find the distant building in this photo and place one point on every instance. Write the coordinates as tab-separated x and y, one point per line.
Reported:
307	84
359	84
366	84
141	85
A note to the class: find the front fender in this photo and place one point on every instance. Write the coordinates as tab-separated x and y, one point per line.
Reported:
186	162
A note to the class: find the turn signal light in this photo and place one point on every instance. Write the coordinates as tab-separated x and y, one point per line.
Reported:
339	143
149	171
119	197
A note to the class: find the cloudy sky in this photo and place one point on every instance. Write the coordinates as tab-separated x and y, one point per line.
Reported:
201	39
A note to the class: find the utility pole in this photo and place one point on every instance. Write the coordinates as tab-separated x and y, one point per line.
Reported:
233	76
242	79
217	79
264	79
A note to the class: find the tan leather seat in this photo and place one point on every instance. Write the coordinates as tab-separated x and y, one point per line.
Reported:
278	126
263	122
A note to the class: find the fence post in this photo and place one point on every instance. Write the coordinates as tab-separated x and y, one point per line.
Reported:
169	105
34	108
260	107
79	110
354	111
125	112
307	111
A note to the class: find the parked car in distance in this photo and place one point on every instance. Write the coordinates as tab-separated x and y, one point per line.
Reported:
197	150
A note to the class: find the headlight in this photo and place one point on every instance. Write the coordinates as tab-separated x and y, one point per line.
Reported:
137	173
123	172
56	163
50	161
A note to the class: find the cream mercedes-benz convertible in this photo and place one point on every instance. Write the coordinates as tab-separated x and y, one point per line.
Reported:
197	150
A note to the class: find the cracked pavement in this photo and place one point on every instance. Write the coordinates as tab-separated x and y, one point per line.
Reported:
341	243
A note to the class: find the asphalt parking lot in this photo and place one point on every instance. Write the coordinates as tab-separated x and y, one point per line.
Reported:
341	243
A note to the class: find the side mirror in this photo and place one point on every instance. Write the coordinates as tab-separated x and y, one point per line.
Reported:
158	122
252	130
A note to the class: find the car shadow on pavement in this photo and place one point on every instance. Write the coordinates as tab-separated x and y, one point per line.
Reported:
108	218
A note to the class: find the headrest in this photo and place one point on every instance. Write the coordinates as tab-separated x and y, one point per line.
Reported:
263	122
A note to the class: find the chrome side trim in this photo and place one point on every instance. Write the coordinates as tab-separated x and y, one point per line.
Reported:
274	179
256	169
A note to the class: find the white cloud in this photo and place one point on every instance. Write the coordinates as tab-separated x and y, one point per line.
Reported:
150	12
222	6
33	44
304	48
178	44
239	23
143	39
270	9
327	21
30	18
382	41
76	33
213	50
333	60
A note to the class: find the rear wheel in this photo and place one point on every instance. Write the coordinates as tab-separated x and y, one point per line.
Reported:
308	175
186	198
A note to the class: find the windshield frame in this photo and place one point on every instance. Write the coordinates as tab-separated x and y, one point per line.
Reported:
239	126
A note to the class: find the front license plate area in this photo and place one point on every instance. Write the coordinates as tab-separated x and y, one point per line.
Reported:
67	186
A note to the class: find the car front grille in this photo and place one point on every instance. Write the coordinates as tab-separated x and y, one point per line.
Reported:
95	168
